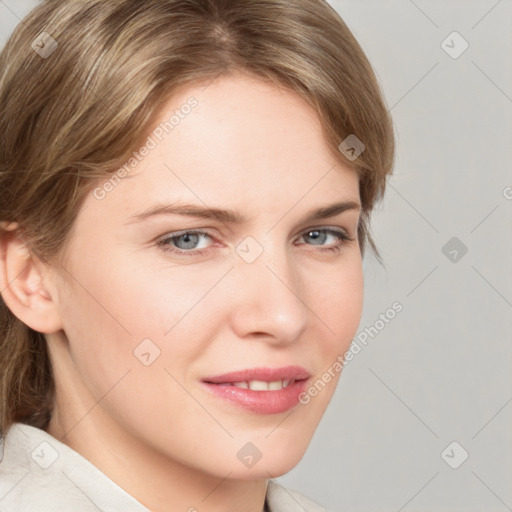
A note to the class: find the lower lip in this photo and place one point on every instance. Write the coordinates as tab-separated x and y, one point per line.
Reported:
261	402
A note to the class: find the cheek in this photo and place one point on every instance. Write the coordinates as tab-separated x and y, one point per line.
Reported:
99	339
142	320
339	304
159	299
116	325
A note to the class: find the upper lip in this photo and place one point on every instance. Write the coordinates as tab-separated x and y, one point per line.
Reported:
263	374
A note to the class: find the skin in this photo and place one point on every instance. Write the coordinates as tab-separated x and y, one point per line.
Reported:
250	147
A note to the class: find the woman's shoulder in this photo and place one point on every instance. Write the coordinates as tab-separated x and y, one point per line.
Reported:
282	499
38	472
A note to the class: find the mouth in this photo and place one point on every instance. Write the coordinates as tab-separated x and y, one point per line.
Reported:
260	390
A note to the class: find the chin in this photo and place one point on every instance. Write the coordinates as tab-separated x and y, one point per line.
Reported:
278	454
272	466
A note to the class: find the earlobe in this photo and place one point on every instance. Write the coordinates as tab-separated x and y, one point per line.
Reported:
22	283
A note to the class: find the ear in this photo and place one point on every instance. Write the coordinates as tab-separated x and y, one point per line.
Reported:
22	282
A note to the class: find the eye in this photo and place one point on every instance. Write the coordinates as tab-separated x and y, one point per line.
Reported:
320	235
184	243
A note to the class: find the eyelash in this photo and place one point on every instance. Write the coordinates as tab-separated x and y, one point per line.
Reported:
167	248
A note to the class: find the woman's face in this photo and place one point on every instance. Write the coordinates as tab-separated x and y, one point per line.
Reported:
154	320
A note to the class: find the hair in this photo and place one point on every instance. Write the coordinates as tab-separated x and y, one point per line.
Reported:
72	117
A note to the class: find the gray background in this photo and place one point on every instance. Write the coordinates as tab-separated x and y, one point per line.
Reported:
440	370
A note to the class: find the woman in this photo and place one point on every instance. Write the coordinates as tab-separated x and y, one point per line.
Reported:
186	195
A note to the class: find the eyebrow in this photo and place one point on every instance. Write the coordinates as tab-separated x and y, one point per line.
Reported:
230	216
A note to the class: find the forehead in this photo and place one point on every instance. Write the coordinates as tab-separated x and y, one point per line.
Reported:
237	141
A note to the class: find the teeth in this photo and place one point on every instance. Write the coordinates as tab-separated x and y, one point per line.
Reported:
260	385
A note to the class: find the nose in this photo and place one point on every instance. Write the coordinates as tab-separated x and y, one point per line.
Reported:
269	298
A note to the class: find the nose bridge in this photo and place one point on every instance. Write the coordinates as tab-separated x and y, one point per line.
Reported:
270	289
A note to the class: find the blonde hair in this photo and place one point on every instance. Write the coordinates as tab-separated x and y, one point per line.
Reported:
73	115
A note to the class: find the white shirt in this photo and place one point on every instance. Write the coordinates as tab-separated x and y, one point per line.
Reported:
38	473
